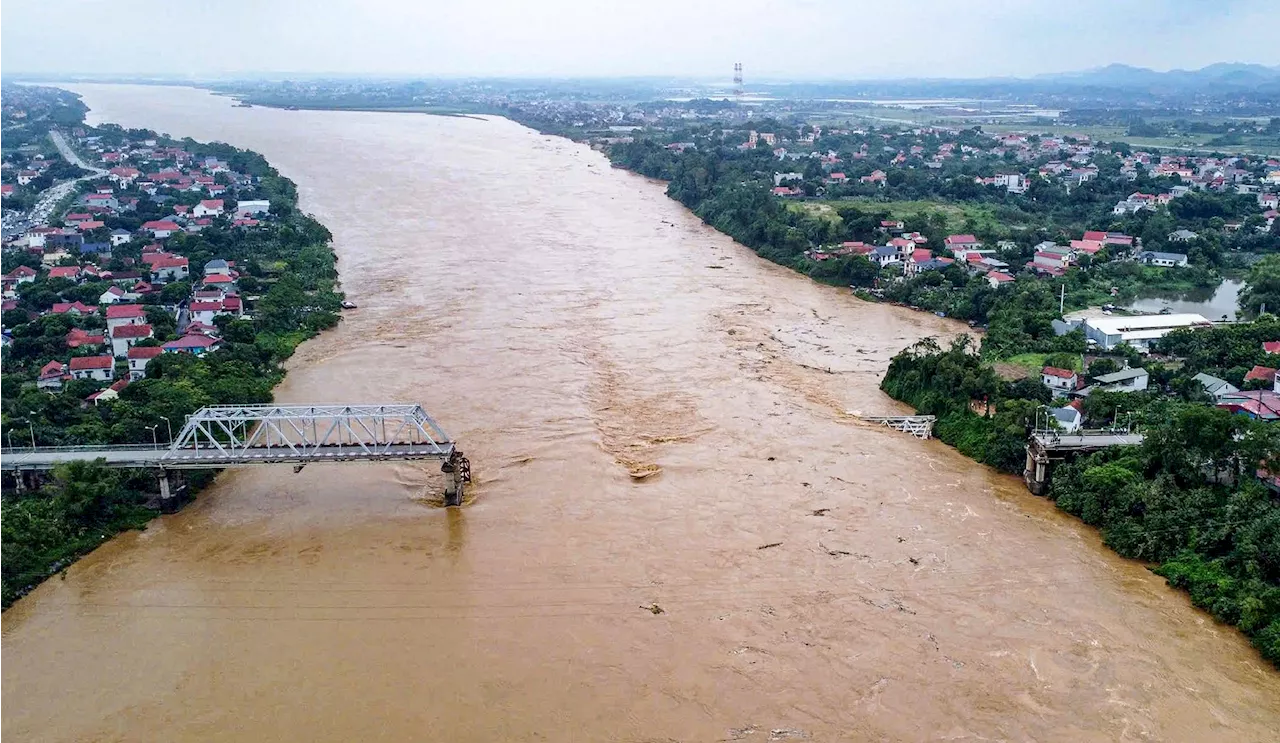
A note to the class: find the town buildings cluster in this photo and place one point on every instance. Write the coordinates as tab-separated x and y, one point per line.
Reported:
88	243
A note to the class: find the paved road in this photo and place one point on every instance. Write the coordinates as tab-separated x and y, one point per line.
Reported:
42	212
70	155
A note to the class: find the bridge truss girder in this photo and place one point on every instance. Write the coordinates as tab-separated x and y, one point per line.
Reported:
307	433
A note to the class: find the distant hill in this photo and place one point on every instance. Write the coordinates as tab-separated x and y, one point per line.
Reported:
1229	74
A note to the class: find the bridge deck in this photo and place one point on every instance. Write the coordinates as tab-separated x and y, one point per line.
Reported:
1084	442
42	459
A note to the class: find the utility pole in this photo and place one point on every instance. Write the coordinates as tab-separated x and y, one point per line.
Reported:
1062	299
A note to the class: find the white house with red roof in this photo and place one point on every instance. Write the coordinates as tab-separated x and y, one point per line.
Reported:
161	228
223	281
125	314
960	245
166	267
1059	380
112	295
21	275
75	309
204	311
124	337
139	357
6	190
98	368
998	279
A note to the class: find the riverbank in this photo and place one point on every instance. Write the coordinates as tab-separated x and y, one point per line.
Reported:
283	290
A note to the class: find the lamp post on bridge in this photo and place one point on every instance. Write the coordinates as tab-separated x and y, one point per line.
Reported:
155	444
31	426
169	426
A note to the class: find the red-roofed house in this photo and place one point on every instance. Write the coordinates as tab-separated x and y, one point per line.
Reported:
100	368
51	376
125	314
998	279
65	272
961	243
1088	247
92	224
22	275
139	357
1261	374
78	337
1050	260
72	308
1271	347
219	281
1263	405
208	208
1095	236
161	228
108	394
124	337
112	295
166	267
1059	380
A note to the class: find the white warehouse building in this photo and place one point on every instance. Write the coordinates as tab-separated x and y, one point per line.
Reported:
1138	331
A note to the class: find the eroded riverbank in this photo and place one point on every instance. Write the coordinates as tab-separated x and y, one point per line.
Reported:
561	319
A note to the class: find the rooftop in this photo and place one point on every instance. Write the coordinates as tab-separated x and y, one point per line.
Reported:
1116	324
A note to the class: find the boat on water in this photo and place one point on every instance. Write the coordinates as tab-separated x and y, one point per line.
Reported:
242	104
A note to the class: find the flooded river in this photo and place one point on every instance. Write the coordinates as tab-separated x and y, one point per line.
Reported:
571	326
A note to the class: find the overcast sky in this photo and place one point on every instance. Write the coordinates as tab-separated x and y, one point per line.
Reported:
803	39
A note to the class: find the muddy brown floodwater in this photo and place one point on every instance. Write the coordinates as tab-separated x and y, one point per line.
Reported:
571	326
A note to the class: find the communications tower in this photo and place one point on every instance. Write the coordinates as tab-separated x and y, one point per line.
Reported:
737	79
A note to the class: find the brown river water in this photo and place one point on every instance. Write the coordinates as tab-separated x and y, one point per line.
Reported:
570	326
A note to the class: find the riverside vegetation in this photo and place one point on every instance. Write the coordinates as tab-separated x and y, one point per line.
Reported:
288	270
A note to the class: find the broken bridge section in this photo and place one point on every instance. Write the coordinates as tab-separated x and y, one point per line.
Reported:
232	435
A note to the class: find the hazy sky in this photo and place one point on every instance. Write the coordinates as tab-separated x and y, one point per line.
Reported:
773	38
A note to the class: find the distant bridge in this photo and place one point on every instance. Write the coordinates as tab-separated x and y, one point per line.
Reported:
920	426
228	436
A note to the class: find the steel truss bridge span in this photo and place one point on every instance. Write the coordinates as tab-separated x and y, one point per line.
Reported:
233	435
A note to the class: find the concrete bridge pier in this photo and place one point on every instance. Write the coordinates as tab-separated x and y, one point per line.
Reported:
172	485
24	480
458	469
